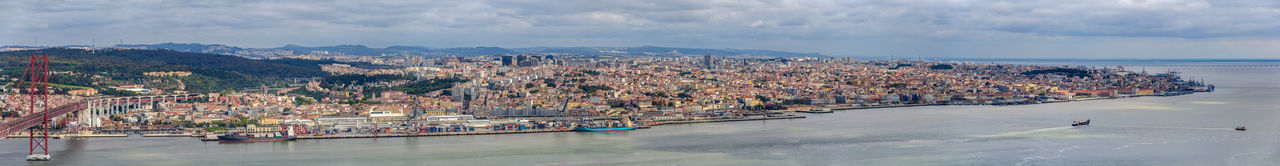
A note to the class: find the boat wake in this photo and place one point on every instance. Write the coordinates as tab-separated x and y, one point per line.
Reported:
1023	133
1168	128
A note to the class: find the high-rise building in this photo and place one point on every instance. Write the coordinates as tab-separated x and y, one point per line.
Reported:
508	60
706	61
414	62
527	60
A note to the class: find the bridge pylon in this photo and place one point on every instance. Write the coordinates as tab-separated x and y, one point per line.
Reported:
36	79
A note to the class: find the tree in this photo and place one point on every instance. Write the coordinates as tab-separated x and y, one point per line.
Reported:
795	101
590	72
656	94
427	86
549	82
303	101
210	72
762	98
594	88
311	94
225	92
114	92
215	129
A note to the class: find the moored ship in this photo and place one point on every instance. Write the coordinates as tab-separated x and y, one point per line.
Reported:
286	135
238	137
589	129
627	124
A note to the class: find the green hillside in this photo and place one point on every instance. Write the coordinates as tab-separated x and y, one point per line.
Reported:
211	72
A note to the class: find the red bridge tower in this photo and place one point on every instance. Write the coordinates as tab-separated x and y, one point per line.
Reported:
37	87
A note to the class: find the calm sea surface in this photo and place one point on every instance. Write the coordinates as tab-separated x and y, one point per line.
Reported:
1192	129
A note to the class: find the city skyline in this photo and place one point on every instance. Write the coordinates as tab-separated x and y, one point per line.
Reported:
659	82
974	29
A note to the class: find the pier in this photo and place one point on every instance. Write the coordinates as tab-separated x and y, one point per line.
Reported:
430	134
815	111
167	135
95	135
728	120
853	107
389	135
54	136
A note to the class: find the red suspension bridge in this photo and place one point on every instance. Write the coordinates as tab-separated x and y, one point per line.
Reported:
35	83
101	107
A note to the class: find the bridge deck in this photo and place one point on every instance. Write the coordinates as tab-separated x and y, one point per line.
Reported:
29	121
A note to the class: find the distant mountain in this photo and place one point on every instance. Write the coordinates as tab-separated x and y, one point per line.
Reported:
19	47
409	49
361	50
357	50
212	49
476	51
654	50
668	51
161	60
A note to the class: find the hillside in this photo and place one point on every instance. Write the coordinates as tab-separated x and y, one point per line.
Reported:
210	72
159	60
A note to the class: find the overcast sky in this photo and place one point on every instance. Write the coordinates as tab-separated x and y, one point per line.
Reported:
905	28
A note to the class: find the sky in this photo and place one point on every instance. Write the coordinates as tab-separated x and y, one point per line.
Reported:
1137	29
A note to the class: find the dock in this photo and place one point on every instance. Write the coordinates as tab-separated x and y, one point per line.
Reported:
54	136
430	134
853	107
166	135
209	137
96	135
811	111
729	120
345	136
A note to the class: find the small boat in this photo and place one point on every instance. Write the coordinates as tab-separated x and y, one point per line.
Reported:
1079	123
1241	128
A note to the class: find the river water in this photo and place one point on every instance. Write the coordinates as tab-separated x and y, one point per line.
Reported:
1192	129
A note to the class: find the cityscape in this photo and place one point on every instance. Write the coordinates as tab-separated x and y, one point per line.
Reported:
783	92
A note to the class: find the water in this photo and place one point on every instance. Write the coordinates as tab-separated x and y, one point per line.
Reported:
1181	130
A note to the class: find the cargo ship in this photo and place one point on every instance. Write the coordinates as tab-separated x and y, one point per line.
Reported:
589	129
286	135
238	137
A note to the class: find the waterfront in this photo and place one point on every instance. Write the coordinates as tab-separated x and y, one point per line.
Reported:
1192	129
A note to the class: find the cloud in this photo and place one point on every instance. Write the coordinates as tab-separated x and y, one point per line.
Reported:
824	25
